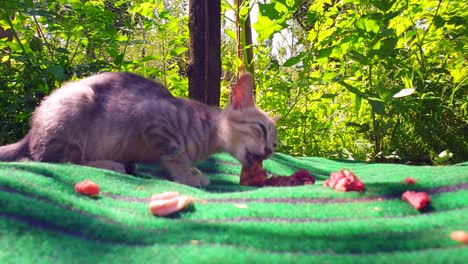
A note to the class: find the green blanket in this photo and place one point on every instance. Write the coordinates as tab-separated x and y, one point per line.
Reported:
43	220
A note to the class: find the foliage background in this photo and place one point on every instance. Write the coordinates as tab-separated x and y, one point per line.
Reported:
363	80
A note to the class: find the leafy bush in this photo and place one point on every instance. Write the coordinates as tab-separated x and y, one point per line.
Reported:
55	41
367	78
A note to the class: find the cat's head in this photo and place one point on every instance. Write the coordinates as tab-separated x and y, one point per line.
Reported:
248	133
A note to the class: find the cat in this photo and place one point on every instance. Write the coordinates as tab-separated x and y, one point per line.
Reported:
114	120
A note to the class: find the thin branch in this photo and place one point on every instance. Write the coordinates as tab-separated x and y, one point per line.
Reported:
42	35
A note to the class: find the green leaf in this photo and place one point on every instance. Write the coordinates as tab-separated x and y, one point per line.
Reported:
324	53
357	105
387	46
383	5
328	96
145	9
439	21
311	17
356	56
394	14
269	11
367	24
244	12
281	8
265	27
84	42
57	71
353	89
377	104
231	34
352	124
4	24
179	50
292	61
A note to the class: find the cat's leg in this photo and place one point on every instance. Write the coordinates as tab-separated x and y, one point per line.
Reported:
107	165
62	151
182	171
130	168
170	147
55	150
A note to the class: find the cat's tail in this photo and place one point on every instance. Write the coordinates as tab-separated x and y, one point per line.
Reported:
16	151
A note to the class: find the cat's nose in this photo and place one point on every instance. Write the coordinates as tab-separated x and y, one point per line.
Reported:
268	151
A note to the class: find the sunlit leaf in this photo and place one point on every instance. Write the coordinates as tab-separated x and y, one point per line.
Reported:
444	156
178	51
265	27
404	92
231	34
368	25
244	11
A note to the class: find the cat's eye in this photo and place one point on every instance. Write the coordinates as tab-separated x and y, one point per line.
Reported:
263	129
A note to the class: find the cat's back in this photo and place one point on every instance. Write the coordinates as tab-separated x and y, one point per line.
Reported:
108	94
126	83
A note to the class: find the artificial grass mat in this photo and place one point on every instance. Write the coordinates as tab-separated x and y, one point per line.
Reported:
43	220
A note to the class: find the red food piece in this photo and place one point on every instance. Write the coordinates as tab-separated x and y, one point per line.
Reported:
409	180
300	177
418	200
253	175
256	176
344	180
87	187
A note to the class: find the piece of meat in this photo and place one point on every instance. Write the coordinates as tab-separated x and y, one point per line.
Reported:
460	236
253	175
167	203
87	187
344	180
418	200
164	195
300	177
409	180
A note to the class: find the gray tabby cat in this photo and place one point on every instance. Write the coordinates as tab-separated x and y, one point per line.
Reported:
125	118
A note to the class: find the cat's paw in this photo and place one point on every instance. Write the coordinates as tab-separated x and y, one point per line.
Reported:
195	179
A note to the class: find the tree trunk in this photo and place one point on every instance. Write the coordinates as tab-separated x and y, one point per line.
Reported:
204	65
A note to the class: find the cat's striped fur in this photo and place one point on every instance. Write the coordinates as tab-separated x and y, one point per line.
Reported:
125	118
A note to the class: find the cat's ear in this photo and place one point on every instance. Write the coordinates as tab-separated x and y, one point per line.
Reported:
276	118
242	93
